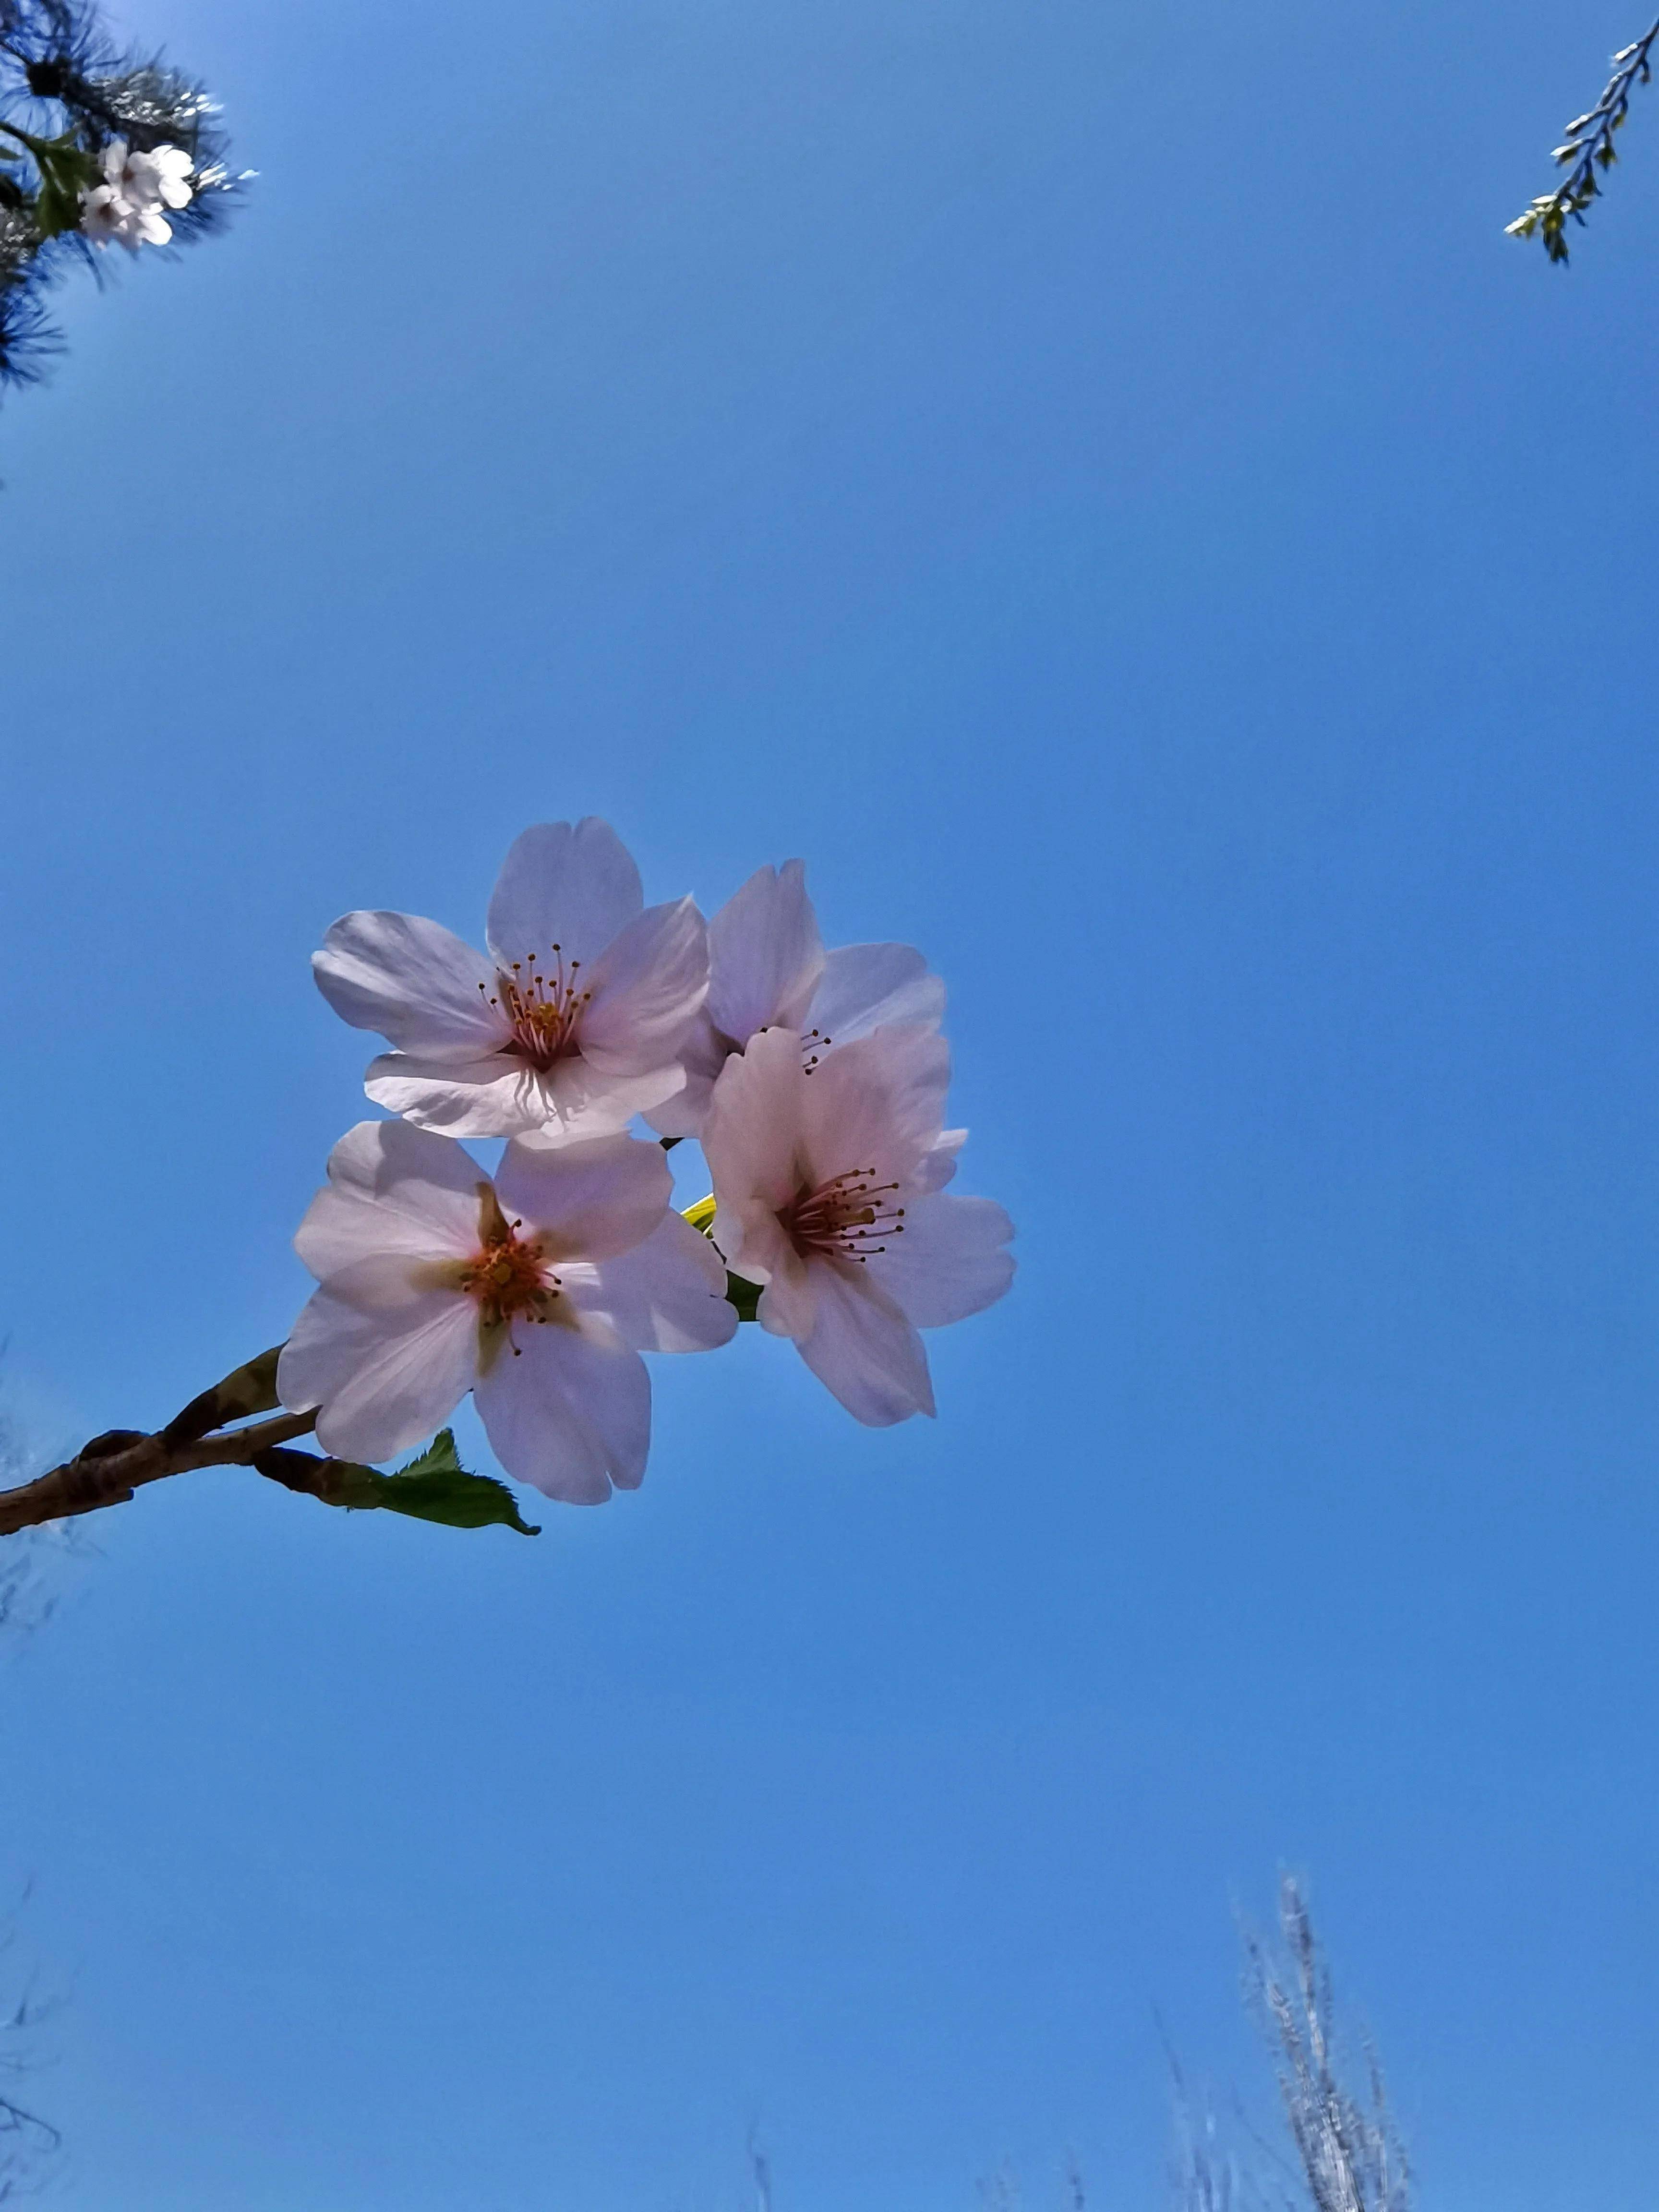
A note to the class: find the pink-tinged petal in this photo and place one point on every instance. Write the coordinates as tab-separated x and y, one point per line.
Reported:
788	1305
571	1415
668	1294
870	986
752	1138
413	981
580	1102
586	1202
863	1349
702	1055
386	1375
392	1188
765	955
576	887
876	1104
949	1259
649	988
492	1097
935	1168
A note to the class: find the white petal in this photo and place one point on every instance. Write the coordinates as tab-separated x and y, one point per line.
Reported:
587	1201
865	987
752	1138
575	888
864	1350
414	982
392	1188
495	1096
578	1102
668	1294
765	955
649	988
702	1055
876	1104
788	1305
947	1260
386	1375
935	1168
572	1413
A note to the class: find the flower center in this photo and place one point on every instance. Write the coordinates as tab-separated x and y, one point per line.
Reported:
849	1217
507	1277
544	1006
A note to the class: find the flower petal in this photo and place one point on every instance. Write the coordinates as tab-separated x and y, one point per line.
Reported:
494	1095
765	955
392	1188
647	989
571	1415
668	1294
580	1101
386	1375
587	1201
576	887
414	982
949	1260
702	1055
876	1104
752	1138
935	1168
863	1350
868	987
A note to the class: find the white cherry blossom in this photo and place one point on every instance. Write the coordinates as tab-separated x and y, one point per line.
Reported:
829	1190
768	970
537	1290
126	208
574	1023
157	179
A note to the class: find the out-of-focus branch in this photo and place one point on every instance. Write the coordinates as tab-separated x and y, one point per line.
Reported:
1350	2152
1587	146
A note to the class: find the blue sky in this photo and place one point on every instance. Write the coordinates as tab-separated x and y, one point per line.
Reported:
1098	483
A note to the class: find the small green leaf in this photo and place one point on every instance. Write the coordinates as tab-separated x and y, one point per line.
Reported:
701	1215
439	1457
434	1486
742	1294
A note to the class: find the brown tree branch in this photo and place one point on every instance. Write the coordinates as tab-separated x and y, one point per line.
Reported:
109	1470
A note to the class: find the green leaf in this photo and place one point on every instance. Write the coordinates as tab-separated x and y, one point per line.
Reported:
742	1294
435	1486
66	170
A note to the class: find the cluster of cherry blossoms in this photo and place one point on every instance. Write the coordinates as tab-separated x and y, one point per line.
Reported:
126	208
814	1081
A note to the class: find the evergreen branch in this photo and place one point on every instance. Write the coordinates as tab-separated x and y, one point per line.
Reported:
1588	146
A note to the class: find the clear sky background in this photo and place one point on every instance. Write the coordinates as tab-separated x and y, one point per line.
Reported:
1096	483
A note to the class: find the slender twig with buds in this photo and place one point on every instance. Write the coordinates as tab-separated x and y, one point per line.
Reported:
1588	146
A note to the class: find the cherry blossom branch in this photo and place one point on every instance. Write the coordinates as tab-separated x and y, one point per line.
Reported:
109	1470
